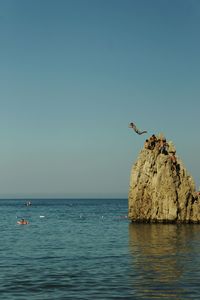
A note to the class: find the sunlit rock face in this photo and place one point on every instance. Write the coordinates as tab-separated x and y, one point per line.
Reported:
161	192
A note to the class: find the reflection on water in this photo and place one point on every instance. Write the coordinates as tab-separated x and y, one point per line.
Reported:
166	260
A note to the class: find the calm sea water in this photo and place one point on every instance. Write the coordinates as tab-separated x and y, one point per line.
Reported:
87	249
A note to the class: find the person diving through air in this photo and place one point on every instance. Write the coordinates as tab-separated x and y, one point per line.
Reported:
133	126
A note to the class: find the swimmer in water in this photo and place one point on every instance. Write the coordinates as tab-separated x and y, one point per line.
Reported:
22	222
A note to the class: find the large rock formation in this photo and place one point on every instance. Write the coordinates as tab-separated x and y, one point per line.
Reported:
160	191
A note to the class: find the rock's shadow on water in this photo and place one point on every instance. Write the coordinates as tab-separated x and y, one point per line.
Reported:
164	260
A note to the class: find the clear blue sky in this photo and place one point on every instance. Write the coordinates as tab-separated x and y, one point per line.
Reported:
74	73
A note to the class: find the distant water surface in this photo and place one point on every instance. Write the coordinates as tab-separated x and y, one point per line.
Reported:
87	249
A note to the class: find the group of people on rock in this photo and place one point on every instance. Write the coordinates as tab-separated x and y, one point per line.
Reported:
157	143
161	145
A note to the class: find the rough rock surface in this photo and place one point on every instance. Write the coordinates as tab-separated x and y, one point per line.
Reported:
160	193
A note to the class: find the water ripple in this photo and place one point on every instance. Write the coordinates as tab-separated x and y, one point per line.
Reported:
63	256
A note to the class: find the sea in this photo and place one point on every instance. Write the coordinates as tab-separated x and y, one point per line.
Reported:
88	249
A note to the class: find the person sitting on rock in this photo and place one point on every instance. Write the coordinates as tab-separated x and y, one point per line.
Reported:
157	145
164	147
175	165
153	140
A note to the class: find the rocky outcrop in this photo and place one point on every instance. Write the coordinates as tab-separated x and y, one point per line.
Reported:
161	191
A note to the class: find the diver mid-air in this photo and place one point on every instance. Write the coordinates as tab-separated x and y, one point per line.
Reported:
133	126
